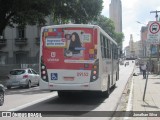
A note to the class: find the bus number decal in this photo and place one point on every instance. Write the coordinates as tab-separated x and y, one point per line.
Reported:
83	74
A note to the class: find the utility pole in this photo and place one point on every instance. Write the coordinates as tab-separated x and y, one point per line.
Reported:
149	65
156	14
158	38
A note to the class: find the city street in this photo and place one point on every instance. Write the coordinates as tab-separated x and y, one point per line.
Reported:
33	99
81	59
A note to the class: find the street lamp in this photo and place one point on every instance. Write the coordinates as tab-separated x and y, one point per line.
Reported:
141	23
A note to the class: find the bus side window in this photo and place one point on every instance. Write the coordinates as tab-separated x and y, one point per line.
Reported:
116	52
108	55
110	49
113	51
104	47
102	50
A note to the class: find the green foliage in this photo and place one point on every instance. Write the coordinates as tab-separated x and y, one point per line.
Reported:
78	11
31	12
108	26
119	38
24	12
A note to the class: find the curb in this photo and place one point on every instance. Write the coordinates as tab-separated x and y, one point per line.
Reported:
125	89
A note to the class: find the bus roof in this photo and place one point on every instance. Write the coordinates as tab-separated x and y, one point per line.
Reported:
82	26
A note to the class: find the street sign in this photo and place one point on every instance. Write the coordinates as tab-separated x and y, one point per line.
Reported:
153	32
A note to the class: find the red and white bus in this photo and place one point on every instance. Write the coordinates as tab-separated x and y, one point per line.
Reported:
77	57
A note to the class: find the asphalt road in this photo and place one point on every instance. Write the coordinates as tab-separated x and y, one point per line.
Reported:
36	100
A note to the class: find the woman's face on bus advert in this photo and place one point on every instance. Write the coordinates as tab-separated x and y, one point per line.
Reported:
73	38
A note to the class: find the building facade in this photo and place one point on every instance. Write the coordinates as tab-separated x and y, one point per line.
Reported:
135	49
20	45
127	52
138	49
131	47
115	14
145	47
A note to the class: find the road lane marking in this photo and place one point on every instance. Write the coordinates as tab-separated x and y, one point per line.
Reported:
32	103
130	101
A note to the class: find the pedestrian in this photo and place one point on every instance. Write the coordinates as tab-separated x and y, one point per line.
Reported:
152	68
140	69
144	68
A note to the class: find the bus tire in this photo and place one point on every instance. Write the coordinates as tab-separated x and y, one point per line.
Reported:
62	94
108	90
106	93
114	86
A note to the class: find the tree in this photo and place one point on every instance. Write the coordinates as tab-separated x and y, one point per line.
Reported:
23	12
108	26
119	38
79	11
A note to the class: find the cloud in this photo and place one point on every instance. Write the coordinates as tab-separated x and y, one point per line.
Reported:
127	4
105	10
132	11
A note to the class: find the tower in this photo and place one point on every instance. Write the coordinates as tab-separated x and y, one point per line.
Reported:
131	47
115	14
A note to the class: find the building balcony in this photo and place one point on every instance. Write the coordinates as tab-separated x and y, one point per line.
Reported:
3	42
21	41
37	42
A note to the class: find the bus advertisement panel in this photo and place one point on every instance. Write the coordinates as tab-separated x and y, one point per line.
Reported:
68	55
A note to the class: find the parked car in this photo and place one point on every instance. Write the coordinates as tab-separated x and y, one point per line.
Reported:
2	90
22	78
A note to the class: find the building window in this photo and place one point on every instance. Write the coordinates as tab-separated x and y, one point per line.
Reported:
21	32
3	58
2	36
21	57
38	31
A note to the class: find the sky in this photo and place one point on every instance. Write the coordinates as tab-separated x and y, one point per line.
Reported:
133	11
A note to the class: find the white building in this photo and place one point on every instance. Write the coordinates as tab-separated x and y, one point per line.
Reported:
21	45
138	49
134	50
127	52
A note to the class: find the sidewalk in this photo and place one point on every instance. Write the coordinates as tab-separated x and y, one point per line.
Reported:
152	96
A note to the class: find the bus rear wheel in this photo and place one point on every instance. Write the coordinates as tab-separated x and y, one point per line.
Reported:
106	93
62	94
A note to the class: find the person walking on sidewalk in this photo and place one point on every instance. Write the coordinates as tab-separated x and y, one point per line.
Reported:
144	68
140	69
